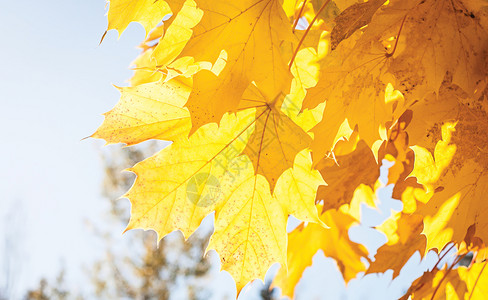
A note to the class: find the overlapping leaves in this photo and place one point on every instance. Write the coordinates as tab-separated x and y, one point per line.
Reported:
268	120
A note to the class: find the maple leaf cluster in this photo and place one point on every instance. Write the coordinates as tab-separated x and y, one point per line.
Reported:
289	107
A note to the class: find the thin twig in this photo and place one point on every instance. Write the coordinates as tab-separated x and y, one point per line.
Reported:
306	32
442	257
445	275
388	55
295	23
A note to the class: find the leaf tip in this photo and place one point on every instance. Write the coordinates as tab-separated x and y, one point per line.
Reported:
103	36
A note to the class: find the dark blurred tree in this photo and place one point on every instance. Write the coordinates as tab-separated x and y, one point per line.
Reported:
47	291
268	292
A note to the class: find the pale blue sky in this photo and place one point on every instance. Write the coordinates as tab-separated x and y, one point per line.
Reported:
55	81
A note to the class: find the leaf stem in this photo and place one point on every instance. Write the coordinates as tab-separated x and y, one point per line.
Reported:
306	32
295	23
396	41
443	255
445	275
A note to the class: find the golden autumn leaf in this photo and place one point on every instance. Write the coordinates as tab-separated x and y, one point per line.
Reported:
202	177
297	187
464	186
177	33
427	168
353	18
305	71
179	186
248	33
334	242
275	135
344	174
358	69
146	12
438	37
405	238
353	84
250	229
250	225
271	136
326	11
449	165
476	279
148	111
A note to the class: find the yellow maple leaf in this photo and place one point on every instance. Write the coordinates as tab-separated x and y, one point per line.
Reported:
455	177
149	111
427	168
305	74
355	72
351	76
249	32
297	186
476	279
406	238
334	242
438	37
353	18
275	135
179	186
176	188
177	33
344	174
250	229
146	12
250	226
